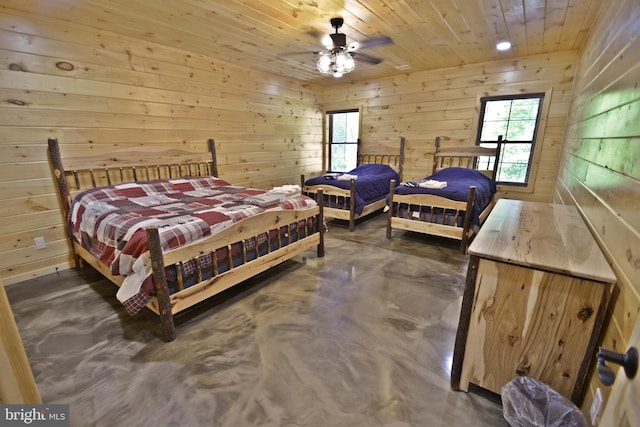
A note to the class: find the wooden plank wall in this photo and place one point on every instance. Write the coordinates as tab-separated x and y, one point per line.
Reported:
600	169
95	91
421	106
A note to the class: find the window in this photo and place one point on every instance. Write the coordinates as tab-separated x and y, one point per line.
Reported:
344	128
514	120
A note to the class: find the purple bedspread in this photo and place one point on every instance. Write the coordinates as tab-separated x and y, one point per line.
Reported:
372	183
458	182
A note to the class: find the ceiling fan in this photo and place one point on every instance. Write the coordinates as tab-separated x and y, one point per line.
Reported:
338	58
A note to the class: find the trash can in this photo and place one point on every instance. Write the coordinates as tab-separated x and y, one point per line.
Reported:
527	402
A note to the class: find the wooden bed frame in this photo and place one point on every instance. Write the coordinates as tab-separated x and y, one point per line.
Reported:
347	210
148	163
459	156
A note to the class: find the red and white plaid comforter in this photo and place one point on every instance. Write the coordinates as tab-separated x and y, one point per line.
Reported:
110	222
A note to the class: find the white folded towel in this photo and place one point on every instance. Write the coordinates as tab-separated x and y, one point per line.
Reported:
432	183
333	175
347	177
263	200
286	190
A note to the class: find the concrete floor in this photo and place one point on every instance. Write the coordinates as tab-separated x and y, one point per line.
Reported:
361	337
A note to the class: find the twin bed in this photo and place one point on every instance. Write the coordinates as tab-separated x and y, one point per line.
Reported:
361	191
453	201
163	227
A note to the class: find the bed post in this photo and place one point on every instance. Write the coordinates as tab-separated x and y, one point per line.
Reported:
63	190
435	158
466	227
320	224
214	157
401	166
160	284
392	188
352	205
58	171
497	158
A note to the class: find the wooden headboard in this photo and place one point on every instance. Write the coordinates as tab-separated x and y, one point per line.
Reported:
482	159
385	156
77	173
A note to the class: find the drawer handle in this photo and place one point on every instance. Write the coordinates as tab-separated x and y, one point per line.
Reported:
628	360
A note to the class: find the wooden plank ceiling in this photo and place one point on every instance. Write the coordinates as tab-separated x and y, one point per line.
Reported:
427	34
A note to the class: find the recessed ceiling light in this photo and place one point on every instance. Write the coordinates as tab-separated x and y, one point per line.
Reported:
503	46
402	67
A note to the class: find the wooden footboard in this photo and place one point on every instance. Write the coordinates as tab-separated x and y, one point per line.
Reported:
428	203
342	198
166	305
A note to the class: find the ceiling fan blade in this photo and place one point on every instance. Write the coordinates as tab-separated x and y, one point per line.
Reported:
374	42
305	52
363	57
316	34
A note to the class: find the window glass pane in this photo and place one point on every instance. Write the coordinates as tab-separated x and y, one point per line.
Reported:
344	157
523	109
486	162
497	110
492	130
522	121
352	126
514	162
346	127
339	128
521	130
496	119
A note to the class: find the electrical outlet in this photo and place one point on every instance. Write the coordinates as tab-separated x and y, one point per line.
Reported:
596	407
40	243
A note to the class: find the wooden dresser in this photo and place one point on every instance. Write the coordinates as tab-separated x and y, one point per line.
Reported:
536	297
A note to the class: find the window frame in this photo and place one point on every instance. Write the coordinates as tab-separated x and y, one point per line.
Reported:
544	95
331	143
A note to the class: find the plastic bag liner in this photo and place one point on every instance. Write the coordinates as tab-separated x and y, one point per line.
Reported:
527	402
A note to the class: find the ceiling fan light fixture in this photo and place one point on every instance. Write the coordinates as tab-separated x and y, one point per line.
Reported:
344	62
324	63
337	63
339	57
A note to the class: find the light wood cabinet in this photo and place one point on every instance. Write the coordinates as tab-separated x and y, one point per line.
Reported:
536	296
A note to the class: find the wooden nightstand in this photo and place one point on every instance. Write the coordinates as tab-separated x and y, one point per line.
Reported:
536	297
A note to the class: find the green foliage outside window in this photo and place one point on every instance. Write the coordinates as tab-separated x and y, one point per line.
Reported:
343	157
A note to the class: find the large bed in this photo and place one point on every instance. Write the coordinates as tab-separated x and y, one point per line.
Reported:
360	191
169	232
453	201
